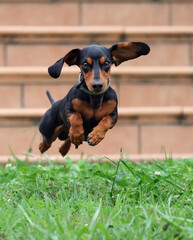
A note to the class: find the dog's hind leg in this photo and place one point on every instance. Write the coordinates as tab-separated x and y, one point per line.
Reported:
44	146
65	147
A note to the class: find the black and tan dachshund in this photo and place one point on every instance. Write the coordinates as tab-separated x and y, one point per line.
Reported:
89	109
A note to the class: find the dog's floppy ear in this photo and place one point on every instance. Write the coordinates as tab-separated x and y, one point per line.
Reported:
71	58
125	51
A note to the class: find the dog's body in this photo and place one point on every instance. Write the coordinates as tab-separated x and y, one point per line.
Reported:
89	109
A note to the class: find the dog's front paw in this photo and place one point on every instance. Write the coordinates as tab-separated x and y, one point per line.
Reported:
95	137
77	136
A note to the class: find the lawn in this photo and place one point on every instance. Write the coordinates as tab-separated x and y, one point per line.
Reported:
97	200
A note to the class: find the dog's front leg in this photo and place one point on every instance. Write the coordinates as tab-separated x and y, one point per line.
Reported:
76	128
100	130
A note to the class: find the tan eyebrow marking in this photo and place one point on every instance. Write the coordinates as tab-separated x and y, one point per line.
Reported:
89	61
102	60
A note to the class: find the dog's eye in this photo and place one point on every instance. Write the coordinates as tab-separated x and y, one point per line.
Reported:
106	64
85	64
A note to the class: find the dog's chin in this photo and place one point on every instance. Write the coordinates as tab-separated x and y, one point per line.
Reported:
98	91
95	91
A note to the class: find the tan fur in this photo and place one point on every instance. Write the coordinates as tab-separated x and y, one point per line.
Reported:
89	61
89	78
100	130
65	147
76	131
43	146
86	110
102	60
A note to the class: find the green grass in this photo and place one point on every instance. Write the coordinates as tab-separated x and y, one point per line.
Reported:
97	201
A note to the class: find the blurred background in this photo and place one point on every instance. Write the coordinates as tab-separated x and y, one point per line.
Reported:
155	92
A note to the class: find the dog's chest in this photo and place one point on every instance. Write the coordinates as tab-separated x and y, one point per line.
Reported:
86	110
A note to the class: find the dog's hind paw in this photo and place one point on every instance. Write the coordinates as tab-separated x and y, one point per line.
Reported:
65	147
44	146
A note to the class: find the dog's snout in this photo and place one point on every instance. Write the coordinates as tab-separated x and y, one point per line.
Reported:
97	86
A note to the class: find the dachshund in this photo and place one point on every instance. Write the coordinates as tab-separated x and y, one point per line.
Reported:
89	109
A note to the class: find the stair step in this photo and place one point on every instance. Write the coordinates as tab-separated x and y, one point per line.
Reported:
41	46
138	131
126	115
31	75
135	86
97	34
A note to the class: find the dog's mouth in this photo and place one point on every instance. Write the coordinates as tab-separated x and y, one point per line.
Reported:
97	90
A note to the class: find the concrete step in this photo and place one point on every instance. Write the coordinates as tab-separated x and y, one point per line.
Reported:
22	75
86	34
42	46
138	131
135	87
142	115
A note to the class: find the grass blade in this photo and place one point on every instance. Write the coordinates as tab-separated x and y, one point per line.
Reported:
111	193
95	217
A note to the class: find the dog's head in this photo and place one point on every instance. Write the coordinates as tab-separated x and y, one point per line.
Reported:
95	62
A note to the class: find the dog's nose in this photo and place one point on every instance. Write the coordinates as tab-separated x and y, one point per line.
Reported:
97	86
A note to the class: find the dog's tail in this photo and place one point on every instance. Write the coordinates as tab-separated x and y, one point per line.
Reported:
50	97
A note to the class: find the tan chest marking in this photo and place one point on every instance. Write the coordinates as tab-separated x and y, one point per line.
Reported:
86	110
82	107
105	109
